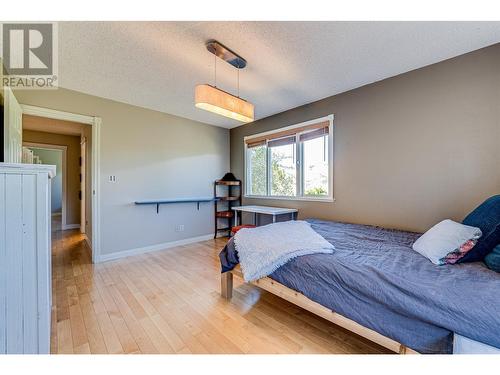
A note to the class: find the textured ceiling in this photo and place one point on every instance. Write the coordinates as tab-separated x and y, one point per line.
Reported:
156	65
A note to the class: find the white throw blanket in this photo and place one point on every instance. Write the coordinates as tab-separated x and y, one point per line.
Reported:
263	249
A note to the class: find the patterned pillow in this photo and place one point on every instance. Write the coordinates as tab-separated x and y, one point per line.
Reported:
456	255
447	242
487	218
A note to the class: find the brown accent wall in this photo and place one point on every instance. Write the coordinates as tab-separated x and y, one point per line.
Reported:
72	167
409	150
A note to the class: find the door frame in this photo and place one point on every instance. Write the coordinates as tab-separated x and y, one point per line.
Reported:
64	149
12	151
96	123
83	183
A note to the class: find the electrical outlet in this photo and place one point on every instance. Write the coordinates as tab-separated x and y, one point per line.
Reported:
179	228
112	179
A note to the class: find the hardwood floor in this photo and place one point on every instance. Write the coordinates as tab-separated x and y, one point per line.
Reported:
168	302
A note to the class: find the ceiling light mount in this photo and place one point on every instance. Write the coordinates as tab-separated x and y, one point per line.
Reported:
224	53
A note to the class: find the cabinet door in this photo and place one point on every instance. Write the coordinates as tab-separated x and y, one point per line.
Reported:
24	263
13	131
14	331
29	264
44	271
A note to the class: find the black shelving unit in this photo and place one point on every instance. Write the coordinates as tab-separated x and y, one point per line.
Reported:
227	194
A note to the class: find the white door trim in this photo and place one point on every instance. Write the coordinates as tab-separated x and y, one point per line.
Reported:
83	183
56	115
64	150
96	123
13	131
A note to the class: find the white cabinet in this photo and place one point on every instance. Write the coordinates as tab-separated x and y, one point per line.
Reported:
25	258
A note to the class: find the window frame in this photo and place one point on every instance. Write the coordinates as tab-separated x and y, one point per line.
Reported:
299	164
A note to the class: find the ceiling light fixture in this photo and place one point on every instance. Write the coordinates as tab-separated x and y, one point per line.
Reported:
215	100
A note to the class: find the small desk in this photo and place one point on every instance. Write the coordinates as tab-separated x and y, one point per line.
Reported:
264	210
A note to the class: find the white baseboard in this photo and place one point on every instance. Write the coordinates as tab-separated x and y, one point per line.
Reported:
71	226
149	249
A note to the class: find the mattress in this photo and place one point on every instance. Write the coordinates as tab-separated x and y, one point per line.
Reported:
376	279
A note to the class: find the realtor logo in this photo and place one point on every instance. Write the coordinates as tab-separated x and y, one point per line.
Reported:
29	55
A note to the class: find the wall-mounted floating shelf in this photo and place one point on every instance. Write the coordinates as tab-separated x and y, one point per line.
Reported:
158	202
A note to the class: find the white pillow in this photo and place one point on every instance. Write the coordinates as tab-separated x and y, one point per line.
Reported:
447	242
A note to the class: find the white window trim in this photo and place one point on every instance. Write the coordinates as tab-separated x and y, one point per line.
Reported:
329	198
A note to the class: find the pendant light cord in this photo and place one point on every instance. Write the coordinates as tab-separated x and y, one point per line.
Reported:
237	75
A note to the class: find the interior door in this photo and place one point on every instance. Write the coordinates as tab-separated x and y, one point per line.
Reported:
83	171
13	128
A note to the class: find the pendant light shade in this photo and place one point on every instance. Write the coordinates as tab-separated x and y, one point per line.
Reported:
220	102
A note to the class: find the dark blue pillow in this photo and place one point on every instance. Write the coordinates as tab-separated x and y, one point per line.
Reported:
487	218
492	260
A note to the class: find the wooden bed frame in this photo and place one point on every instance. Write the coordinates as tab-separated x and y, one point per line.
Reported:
301	300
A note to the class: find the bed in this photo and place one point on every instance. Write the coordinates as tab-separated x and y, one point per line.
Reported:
375	285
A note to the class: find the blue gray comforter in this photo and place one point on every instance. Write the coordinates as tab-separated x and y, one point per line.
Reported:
376	279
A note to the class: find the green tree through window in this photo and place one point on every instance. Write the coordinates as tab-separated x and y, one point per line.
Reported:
283	184
258	170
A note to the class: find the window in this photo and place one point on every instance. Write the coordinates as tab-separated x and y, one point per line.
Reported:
291	163
257	170
282	160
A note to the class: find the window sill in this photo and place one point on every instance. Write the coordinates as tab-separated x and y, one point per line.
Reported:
304	199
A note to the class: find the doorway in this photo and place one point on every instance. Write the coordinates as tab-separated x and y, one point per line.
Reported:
42	138
53	155
88	133
12	114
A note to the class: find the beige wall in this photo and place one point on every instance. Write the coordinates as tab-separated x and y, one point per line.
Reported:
153	155
408	151
72	167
